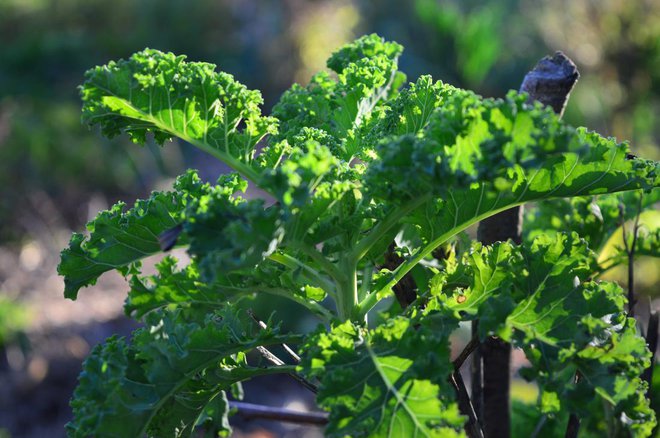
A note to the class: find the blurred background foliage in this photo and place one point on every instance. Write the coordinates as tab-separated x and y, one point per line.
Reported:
55	174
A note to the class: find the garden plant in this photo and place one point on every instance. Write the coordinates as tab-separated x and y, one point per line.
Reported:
371	187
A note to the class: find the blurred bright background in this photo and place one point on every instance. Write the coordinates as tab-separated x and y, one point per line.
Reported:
56	174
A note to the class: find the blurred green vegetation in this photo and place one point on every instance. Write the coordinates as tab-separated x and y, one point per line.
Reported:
13	320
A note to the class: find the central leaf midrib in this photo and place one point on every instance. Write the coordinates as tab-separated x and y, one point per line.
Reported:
221	155
390	387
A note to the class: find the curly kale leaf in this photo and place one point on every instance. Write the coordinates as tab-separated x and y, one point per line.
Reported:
120	237
389	381
227	234
411	110
505	143
163	94
338	108
170	379
172	287
539	298
293	183
368	46
476	157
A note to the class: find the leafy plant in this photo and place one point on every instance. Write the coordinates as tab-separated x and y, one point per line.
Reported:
358	172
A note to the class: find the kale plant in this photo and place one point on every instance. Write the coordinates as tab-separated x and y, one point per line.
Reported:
370	183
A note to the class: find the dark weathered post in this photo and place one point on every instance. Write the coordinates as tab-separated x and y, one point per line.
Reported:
652	342
550	82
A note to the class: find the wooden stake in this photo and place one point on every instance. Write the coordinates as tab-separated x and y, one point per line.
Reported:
550	82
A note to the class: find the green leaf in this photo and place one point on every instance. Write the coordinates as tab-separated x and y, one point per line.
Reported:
411	111
313	293
389	381
163	94
295	180
553	298
539	298
509	147
228	234
172	287
368	46
338	108
169	379
307	107
120	237
480	285
477	157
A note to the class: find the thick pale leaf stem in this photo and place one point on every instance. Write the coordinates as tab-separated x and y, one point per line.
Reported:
376	233
372	299
406	289
313	274
325	264
317	309
314	307
244	169
347	294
